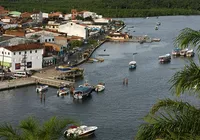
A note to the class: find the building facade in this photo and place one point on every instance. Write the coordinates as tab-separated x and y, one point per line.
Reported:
73	29
22	57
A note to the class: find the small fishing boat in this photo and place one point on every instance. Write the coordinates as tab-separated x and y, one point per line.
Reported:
63	68
82	92
156	28
158	23
86	84
41	88
183	52
165	58
100	87
190	53
80	131
132	65
62	91
176	52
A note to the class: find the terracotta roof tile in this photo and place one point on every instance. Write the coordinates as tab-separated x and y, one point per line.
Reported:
23	47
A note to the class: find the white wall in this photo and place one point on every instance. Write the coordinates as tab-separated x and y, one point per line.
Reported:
73	29
6	56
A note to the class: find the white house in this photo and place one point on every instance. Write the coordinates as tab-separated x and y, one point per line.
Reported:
89	14
18	57
42	36
100	21
67	16
52	25
37	17
73	29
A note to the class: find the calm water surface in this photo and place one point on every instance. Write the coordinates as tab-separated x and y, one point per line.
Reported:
117	111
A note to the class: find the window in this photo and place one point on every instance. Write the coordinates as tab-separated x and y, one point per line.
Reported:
29	64
25	52
35	51
52	39
2	52
14	53
45	40
49	40
17	66
38	41
5	52
8	53
30	51
19	53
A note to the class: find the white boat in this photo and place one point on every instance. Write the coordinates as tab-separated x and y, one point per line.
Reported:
156	28
100	87
41	88
80	131
165	58
183	52
176	52
158	23
62	91
190	53
132	65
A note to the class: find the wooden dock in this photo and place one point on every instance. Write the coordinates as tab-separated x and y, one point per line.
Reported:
52	82
21	82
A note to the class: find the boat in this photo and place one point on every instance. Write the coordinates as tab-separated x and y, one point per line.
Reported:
190	53
100	87
80	131
176	52
165	58
41	88
158	23
63	68
156	28
62	91
82	92
156	39
183	52
86	84
132	65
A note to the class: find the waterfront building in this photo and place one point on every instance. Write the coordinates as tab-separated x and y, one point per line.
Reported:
23	56
73	29
41	35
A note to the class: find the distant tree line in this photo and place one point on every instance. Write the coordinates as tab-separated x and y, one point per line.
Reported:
109	8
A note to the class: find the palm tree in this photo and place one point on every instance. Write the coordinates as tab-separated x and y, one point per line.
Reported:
176	120
29	129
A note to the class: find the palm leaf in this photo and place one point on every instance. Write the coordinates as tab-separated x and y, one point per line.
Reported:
30	128
175	121
8	132
186	79
188	37
53	128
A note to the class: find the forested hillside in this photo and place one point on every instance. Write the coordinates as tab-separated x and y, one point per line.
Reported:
109	8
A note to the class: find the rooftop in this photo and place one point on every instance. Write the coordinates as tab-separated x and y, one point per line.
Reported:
23	47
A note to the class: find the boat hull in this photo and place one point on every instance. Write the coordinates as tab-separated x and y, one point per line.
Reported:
132	66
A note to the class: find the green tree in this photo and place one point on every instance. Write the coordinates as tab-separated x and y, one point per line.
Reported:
176	120
29	129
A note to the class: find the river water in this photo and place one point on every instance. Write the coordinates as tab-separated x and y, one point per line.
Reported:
117	111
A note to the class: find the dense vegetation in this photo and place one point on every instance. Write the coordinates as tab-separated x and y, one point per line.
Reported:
109	8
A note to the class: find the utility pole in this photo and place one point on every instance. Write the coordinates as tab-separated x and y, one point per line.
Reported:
24	61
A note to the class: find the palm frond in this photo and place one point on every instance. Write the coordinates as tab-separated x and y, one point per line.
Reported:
188	37
53	128
30	128
171	104
8	132
172	124
186	79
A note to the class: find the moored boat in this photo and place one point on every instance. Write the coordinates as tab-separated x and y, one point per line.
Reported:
63	68
158	23
82	92
41	88
190	53
165	58
132	65
100	87
176	52
80	131
62	91
156	27
183	52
